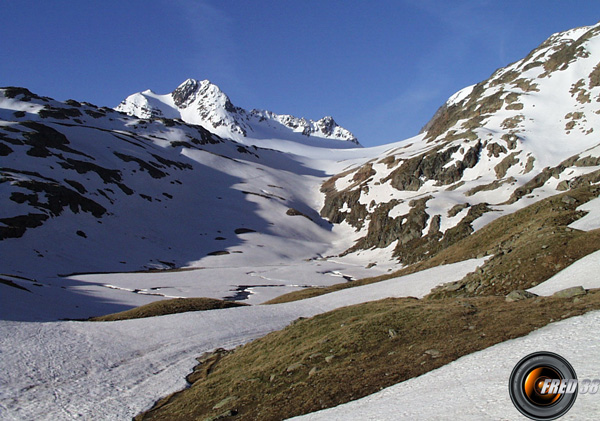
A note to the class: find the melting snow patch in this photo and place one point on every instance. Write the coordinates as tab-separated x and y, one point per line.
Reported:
583	272
591	221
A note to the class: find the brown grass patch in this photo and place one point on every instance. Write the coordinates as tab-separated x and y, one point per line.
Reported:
164	307
355	351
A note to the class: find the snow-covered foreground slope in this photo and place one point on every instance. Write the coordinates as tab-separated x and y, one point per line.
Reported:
112	371
475	387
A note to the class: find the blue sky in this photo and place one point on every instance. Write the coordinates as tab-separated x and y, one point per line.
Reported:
380	68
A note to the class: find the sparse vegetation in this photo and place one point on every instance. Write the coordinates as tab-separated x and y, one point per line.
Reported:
491	186
502	168
526	85
515	106
512	122
568	53
594	77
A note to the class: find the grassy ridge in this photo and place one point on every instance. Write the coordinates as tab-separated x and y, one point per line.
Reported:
355	351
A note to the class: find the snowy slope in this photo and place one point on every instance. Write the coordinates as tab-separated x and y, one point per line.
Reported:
91	190
113	370
203	103
91	195
526	133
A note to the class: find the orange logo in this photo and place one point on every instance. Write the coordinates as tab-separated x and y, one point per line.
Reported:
543	386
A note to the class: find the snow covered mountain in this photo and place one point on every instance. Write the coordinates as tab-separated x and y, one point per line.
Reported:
88	189
186	195
92	190
526	133
203	103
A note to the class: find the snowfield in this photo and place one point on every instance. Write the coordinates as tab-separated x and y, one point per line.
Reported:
114	370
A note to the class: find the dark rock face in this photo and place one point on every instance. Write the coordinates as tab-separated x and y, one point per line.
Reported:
327	125
15	227
336	201
541	178
25	94
384	230
59	113
182	95
422	246
415	240
42	138
56	198
408	229
432	166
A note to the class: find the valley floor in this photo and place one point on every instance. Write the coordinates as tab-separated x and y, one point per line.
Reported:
114	370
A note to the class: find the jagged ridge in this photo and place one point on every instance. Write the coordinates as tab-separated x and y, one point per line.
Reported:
203	103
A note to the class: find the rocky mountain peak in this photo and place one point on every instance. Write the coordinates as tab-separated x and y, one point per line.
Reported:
327	125
204	103
205	94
